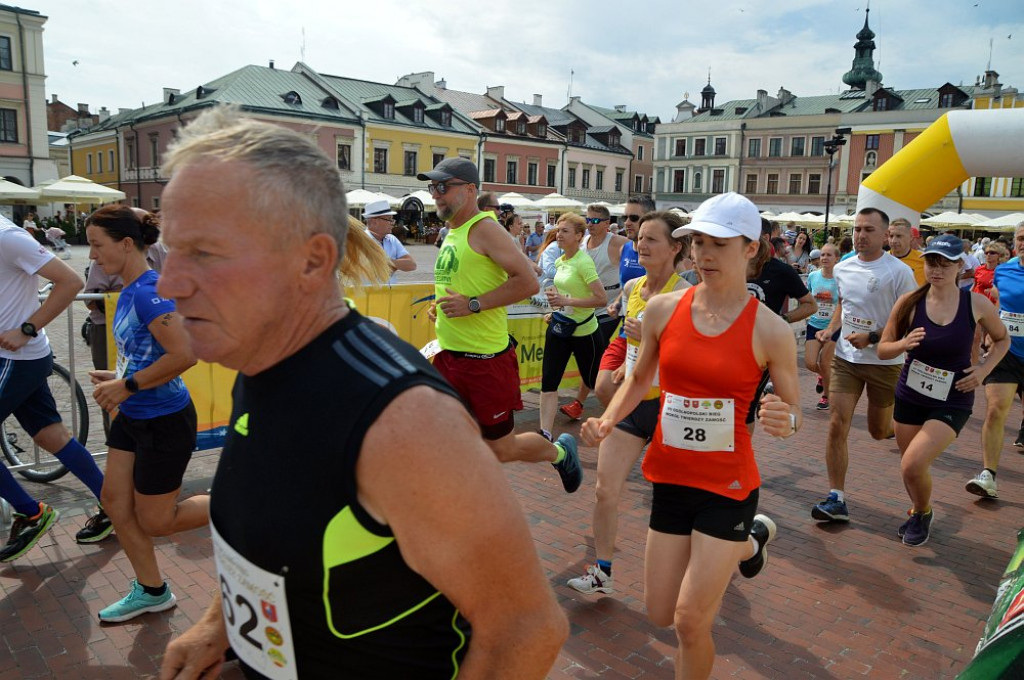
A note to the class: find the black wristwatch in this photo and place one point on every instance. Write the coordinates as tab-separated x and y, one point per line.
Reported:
873	338
29	329
131	385
474	305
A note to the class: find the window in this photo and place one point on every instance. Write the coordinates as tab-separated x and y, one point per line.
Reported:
88	163
719	146
1017	187
344	157
618	180
817	146
775	147
754	148
135	201
110	159
6	63
389	110
129	152
435	159
446	118
599	180
773	184
796	146
154	146
489	169
871	159
794	184
680	147
572	178
871	142
881	103
696	182
410	163
814	184
531	174
99	161
156	203
542	130
718	181
512	172
982	186
699	147
521	127
679	181
552	170
499	124
751	185
640	152
638	184
585	184
417	115
946	101
613	140
380	160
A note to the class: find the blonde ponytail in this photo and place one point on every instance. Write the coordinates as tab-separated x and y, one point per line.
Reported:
365	262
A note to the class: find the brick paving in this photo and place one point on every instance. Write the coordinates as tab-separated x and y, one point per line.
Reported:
835	601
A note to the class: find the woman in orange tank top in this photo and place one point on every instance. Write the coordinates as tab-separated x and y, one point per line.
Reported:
709	345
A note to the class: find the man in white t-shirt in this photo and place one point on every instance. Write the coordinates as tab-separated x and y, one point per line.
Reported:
869	285
380	219
25	365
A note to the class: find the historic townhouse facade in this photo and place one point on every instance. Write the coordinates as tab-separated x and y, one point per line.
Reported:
637	134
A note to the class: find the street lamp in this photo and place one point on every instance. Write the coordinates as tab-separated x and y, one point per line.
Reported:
831	146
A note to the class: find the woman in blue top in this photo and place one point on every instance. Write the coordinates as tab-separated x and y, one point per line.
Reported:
152	437
818	353
935	325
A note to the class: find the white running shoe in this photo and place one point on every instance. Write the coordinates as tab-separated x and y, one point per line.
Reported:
594	581
983	485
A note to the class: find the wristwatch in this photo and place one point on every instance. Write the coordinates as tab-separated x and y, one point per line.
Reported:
792	423
29	329
131	384
873	338
474	305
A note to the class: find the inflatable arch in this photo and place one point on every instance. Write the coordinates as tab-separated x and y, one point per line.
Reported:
959	145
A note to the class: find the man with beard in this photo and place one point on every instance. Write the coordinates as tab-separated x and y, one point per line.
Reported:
477	273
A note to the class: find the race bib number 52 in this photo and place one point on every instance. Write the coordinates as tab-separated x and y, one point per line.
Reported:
255	612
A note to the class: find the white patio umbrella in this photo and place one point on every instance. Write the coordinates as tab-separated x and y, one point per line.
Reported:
951	219
360	197
516	200
75	189
424	197
11	192
790	217
558	203
1006	223
618	210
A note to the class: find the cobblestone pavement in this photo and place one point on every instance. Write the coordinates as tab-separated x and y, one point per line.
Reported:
835	601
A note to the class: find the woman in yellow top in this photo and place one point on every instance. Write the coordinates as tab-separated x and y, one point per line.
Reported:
576	292
659	253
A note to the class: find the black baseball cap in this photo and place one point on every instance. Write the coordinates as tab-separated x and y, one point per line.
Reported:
452	168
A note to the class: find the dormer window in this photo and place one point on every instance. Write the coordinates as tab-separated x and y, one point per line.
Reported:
417	115
389	111
330	103
613	140
881	104
292	98
542	130
499	124
446	118
521	127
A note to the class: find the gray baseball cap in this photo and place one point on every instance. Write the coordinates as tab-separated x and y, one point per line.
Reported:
452	168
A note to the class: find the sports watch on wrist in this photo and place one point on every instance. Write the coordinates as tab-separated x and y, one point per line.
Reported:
131	384
29	329
474	305
873	338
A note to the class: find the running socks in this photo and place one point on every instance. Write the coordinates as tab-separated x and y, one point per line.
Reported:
991	472
561	454
606	566
840	495
12	492
75	457
155	592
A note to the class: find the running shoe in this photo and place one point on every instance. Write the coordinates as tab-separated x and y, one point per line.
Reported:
902	530
831	510
594	581
763	531
823	404
983	485
26	532
1019	441
569	469
136	603
918	528
820	387
573	409
96	528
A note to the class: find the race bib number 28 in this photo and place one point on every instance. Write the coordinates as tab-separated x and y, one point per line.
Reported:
698	424
255	612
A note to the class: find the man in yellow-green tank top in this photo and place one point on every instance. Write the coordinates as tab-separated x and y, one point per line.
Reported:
477	273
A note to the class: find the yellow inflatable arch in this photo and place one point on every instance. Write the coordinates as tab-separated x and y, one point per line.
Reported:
960	145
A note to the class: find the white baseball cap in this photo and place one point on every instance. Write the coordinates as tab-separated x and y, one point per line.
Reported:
724	216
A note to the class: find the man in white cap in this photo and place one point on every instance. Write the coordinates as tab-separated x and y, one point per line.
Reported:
380	218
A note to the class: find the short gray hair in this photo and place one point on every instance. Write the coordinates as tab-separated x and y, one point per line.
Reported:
601	210
294	178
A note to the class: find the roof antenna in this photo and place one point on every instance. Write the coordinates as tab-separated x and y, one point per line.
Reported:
302	47
989	67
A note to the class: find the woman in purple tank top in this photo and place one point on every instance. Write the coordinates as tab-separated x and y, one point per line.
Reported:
935	325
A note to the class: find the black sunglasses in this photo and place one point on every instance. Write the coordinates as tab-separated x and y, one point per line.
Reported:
632	218
442	188
595	220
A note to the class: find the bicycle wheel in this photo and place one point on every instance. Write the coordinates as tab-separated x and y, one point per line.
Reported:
18	447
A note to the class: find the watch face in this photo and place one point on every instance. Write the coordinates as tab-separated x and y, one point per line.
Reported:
474	305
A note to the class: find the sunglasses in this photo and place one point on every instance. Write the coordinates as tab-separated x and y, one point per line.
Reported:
595	220
992	252
632	218
441	188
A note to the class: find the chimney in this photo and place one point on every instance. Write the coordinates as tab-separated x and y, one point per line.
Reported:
785	96
424	82
104	113
537	100
620	108
871	87
496	92
169	93
441	84
55	100
83	109
574	100
991	80
762	99
271	63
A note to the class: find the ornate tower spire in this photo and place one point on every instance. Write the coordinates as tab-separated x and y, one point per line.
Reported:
707	95
863	61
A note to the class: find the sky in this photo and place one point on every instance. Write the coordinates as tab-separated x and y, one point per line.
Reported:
646	54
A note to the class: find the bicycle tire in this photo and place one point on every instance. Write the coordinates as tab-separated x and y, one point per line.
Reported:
18	447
